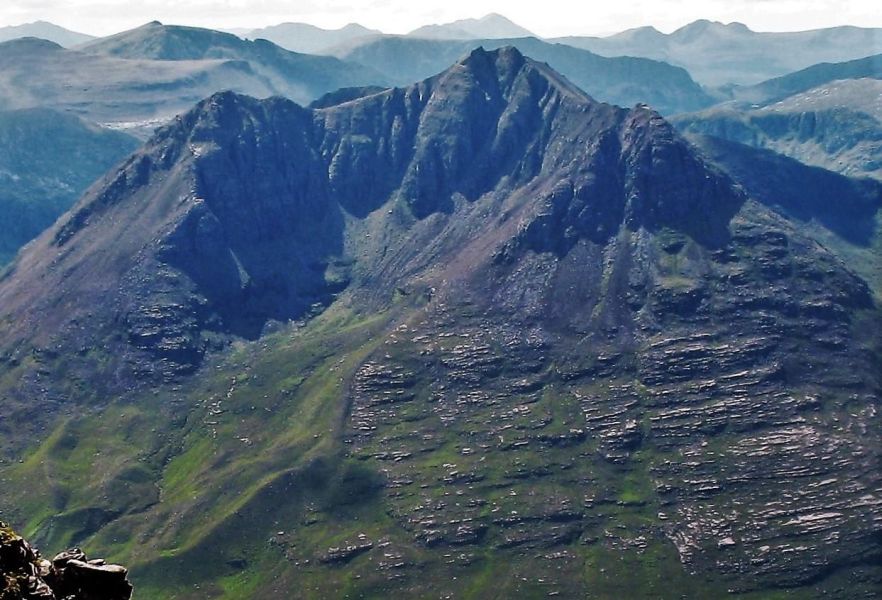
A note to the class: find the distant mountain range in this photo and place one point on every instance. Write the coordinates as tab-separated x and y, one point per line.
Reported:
302	37
717	54
804	80
46	31
492	26
624	81
829	115
145	76
309	39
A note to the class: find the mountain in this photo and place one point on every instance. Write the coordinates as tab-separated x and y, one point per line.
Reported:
491	26
836	125
481	336
299	76
860	95
302	37
717	54
623	81
135	95
47	160
131	81
838	139
46	31
810	78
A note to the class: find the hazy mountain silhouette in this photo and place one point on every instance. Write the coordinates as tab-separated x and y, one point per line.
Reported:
46	31
47	160
491	26
303	37
142	78
717	54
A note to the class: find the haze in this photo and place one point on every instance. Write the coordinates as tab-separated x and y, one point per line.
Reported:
549	18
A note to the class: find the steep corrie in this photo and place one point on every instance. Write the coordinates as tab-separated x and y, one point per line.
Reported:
554	351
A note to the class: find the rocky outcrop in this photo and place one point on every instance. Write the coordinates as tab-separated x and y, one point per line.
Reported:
25	575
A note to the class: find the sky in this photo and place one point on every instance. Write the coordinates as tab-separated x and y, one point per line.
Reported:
547	18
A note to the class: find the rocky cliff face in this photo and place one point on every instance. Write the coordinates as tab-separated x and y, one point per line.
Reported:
551	341
69	576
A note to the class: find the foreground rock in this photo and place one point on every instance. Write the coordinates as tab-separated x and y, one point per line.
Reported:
70	575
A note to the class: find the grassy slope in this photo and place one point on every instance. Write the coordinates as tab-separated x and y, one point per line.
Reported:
236	482
258	443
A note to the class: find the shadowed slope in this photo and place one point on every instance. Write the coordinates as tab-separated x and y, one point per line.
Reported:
47	160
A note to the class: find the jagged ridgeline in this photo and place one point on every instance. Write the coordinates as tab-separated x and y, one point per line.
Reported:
481	336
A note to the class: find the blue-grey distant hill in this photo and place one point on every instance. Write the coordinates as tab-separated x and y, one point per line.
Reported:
811	77
828	115
301	77
717	54
46	31
491	26
140	78
303	37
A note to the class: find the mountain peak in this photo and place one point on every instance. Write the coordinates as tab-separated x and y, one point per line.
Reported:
703	26
738	26
508	55
490	26
157	41
500	70
354	27
495	17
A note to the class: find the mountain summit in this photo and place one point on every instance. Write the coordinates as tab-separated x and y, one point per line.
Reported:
423	339
488	27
